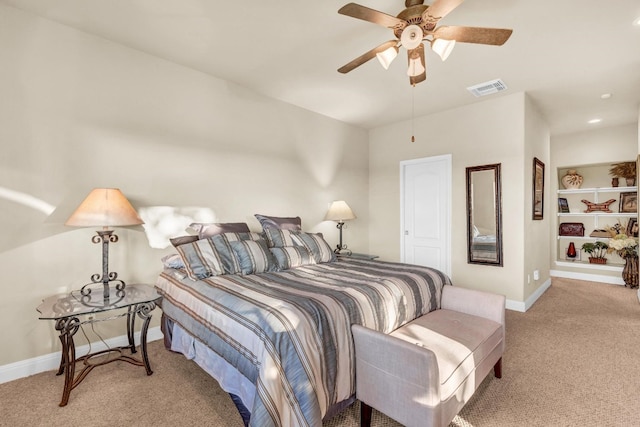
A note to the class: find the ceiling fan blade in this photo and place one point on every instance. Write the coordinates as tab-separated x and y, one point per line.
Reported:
371	15
439	9
419	51
366	56
492	36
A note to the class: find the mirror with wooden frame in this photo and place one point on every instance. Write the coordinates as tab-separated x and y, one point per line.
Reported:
484	215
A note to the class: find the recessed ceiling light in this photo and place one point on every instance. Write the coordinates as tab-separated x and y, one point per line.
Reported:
636	22
605	96
594	121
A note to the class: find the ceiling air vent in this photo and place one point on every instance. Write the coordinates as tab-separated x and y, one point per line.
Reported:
487	88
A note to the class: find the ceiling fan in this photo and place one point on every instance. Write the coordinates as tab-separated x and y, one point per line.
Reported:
412	26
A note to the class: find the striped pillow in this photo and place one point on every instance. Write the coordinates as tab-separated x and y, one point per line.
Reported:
277	237
222	243
253	256
316	244
292	256
201	259
287	223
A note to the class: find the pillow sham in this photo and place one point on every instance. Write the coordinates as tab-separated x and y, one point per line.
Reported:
284	223
201	259
253	256
208	229
277	237
292	256
173	261
181	240
316	244
222	243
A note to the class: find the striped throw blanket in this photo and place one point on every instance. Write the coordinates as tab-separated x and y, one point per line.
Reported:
289	333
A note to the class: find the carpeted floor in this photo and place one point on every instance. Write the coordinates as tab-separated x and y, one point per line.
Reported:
569	361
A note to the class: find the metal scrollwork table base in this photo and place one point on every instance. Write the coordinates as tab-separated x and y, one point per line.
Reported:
68	309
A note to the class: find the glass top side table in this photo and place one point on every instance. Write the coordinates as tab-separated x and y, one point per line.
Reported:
71	311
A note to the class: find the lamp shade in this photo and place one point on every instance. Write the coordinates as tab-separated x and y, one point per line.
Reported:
443	47
339	211
104	207
415	67
387	56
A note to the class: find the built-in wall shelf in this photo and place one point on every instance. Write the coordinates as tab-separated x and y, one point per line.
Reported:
588	266
596	189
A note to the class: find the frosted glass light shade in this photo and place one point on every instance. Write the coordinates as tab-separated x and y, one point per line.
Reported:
104	207
411	37
415	67
443	47
339	211
387	56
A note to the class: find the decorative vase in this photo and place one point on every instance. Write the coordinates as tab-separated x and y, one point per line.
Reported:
630	182
571	251
630	271
594	260
572	179
615	181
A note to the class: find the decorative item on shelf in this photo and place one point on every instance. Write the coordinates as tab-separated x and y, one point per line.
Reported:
627	248
598	207
597	251
104	207
600	233
628	202
339	211
575	229
571	251
572	180
563	205
615	181
626	170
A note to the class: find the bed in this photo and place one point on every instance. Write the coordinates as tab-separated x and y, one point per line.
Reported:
272	323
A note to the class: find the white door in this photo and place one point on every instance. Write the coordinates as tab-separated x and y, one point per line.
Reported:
426	212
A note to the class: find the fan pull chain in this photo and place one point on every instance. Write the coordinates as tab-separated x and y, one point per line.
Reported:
413	111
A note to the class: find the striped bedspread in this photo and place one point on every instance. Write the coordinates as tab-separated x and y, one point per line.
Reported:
289	332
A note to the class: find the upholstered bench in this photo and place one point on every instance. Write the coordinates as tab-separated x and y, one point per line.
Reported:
423	373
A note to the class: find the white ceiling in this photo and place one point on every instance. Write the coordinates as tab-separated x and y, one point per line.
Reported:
564	53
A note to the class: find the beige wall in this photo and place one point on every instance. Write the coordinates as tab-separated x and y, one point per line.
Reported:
492	131
78	112
536	239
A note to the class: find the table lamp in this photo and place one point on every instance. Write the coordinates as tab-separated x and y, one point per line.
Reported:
104	207
341	212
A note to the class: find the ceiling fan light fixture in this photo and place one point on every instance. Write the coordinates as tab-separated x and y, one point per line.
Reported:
442	47
387	56
411	37
415	67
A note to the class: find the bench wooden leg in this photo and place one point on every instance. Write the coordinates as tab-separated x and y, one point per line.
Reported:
365	415
497	368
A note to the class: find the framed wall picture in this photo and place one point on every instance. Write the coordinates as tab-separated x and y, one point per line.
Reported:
563	205
632	227
628	202
538	189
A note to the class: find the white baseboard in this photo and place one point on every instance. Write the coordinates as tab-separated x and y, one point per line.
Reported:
48	362
526	305
588	277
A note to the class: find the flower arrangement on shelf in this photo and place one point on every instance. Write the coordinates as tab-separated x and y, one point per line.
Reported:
625	170
623	245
